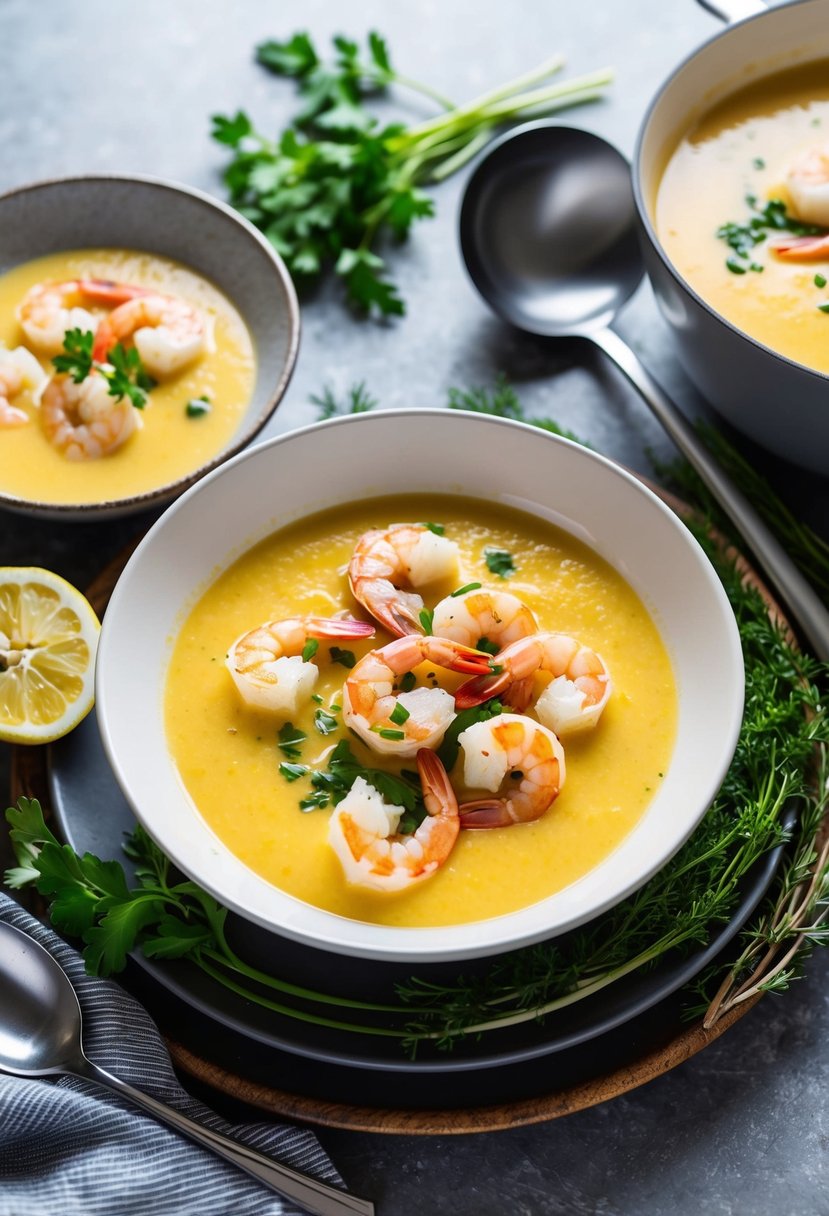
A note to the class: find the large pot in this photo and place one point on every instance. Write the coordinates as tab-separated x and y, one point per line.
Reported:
779	403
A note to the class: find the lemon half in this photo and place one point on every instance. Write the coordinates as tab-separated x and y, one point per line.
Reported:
48	638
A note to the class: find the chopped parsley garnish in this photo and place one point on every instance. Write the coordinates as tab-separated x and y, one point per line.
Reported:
499	561
346	658
310	649
438	529
408	681
426	618
292	772
823	307
758	162
324	722
197	407
332	784
741	239
399	714
463	590
386	732
123	371
820	280
290	738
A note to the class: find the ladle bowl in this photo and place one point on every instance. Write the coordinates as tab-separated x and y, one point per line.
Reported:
548	231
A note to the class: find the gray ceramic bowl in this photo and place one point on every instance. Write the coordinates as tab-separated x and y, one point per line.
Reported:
178	222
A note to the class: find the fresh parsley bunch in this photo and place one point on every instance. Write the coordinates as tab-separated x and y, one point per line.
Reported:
336	180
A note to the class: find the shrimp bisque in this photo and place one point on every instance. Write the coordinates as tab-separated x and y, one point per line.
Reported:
63	441
319	730
742	210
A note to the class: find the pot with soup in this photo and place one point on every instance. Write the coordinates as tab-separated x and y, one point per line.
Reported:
731	180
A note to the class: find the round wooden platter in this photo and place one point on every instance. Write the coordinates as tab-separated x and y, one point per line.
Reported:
29	778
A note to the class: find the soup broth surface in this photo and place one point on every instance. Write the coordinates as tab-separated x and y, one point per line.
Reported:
229	756
170	444
739	152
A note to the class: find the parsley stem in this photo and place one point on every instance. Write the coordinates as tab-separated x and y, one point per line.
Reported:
289	1011
548	68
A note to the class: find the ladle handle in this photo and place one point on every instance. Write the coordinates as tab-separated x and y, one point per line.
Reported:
734	10
804	604
309	1193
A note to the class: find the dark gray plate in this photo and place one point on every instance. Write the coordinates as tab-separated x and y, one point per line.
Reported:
93	815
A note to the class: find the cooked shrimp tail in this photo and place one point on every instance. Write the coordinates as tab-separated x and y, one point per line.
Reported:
520	761
802	248
573	700
363	832
807	182
388	560
267	664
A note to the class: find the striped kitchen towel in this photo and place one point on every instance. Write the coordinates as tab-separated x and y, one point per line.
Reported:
70	1148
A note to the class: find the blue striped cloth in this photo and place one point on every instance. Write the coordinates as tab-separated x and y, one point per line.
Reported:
70	1148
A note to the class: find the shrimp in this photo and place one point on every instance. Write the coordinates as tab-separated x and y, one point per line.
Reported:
267	664
510	747
807	182
387	559
48	310
19	369
82	420
168	333
400	724
571	702
363	832
482	616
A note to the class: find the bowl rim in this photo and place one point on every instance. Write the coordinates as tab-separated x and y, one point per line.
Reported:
147	499
442	943
733	28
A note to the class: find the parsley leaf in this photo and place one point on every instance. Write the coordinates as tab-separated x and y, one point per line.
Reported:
346	658
336	181
289	739
499	561
324	722
358	401
124	372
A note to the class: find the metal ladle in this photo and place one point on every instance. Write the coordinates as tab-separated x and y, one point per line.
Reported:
548	234
40	1036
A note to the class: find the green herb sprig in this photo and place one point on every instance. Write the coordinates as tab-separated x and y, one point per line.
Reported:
123	371
337	180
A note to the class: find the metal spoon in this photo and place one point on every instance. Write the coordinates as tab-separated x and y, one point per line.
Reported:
40	1036
548	234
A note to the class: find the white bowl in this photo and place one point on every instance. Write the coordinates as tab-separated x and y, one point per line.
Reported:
108	210
368	455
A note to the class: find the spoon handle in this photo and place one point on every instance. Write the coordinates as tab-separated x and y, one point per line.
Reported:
312	1195
805	605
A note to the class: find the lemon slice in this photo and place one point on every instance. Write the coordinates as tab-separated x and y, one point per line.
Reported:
48	637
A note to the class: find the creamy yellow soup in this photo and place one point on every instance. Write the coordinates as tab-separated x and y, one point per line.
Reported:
228	755
170	444
741	150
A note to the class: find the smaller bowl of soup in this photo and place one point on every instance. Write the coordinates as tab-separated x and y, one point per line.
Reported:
419	685
147	333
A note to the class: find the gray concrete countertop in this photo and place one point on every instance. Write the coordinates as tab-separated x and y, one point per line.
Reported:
744	1126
